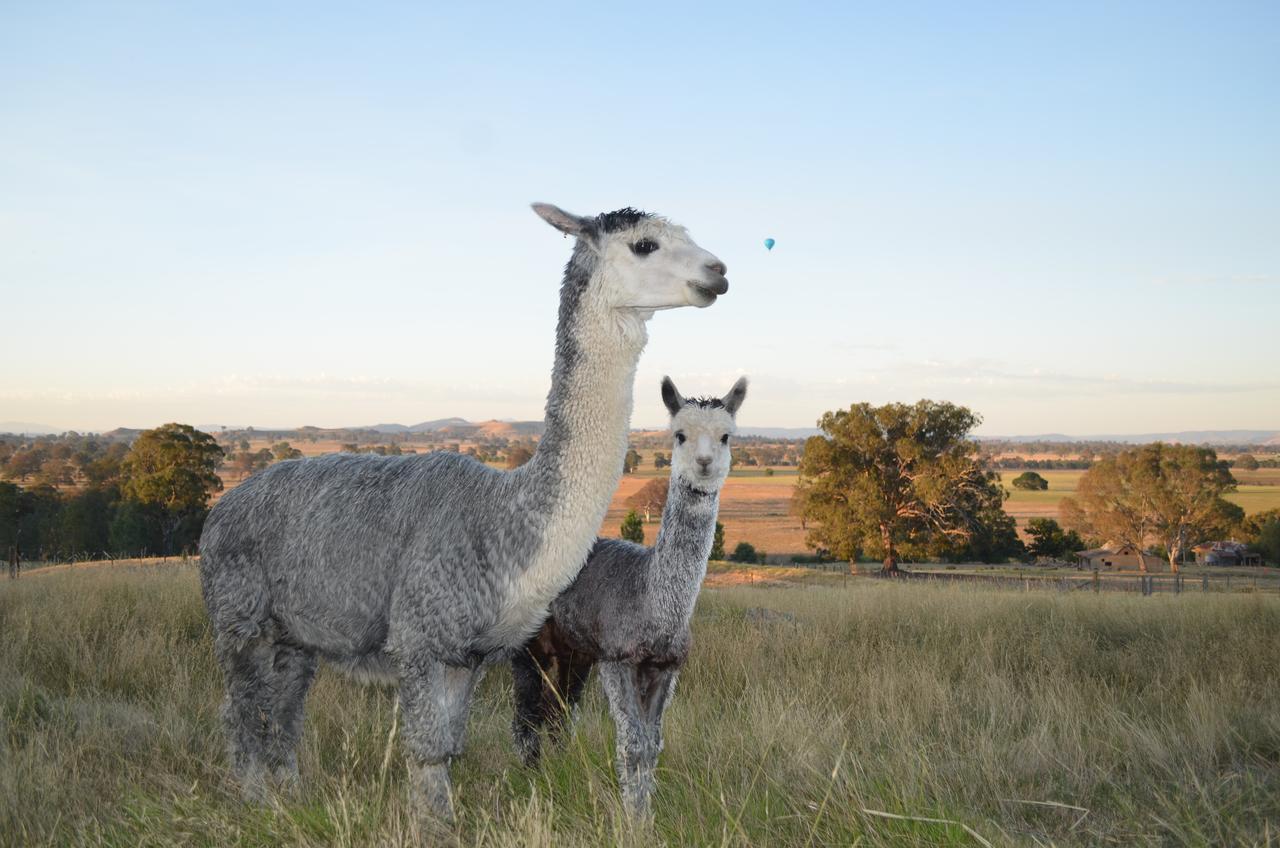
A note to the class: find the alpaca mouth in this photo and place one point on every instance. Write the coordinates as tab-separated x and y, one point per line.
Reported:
706	295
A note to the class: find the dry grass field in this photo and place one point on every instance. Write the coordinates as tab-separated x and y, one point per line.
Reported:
754	507
855	712
1258	491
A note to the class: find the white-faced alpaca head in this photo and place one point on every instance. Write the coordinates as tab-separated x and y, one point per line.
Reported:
701	430
645	263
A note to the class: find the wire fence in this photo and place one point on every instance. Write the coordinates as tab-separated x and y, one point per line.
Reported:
1014	579
17	564
1085	581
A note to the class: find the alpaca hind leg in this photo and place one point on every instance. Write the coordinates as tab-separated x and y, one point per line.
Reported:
634	758
527	677
575	672
293	670
435	699
246	712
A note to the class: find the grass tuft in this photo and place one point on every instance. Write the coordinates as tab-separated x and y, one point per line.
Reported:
874	713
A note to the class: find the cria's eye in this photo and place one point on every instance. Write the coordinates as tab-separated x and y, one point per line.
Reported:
679	438
644	247
724	440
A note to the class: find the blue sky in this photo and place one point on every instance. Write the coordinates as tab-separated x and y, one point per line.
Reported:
1064	216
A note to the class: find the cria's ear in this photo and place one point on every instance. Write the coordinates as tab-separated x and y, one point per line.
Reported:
570	225
736	396
671	397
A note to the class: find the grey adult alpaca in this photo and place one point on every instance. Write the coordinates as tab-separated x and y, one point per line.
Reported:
419	570
629	608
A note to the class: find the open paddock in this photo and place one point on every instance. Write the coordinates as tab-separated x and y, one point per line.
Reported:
807	712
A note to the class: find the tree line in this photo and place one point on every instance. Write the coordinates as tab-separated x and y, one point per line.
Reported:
908	481
896	481
149	498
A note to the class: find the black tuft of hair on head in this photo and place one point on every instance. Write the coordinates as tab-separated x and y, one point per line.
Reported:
621	219
705	402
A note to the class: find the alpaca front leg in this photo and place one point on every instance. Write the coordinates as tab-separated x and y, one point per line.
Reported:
636	755
657	684
434	698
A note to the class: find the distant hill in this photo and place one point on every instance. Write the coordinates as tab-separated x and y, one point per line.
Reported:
779	432
1188	437
385	428
26	428
510	429
125	433
439	424
461	427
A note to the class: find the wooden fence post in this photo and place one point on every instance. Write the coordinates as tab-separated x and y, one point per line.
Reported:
1096	582
1204	582
13	562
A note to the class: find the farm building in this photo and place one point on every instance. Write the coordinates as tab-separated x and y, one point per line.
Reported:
1225	553
1118	556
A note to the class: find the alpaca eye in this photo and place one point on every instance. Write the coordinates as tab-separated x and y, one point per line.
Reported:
724	440
679	438
644	247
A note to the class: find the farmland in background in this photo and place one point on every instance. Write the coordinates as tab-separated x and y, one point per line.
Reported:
755	503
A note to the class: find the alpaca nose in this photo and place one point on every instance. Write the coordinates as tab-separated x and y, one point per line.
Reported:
705	463
718	284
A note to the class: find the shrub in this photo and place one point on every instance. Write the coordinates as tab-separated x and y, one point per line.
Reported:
717	543
632	528
1030	481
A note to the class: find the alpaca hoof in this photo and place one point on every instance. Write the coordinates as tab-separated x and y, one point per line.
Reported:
253	786
431	795
530	751
639	812
287	782
637	796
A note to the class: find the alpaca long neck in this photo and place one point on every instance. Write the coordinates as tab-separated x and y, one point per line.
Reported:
565	489
680	552
588	415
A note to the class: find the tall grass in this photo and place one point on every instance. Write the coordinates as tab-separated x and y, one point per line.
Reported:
1031	719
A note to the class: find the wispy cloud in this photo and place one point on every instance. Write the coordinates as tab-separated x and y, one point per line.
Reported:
1216	280
986	373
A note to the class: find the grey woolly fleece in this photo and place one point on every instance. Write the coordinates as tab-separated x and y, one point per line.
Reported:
365	558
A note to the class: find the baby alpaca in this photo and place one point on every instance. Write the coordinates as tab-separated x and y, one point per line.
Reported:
630	606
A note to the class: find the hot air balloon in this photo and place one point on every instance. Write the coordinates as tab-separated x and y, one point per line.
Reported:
769	243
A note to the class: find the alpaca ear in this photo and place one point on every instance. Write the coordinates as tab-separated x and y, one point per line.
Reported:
570	225
736	396
671	397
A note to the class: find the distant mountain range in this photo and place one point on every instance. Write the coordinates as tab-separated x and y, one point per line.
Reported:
27	428
462	428
779	432
1188	437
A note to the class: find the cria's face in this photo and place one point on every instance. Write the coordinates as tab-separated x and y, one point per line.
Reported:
700	445
655	265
